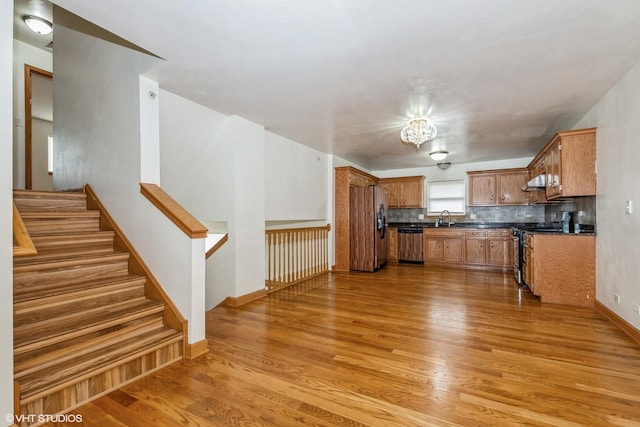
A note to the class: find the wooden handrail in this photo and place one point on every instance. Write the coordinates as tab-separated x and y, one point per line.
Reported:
24	245
218	244
174	211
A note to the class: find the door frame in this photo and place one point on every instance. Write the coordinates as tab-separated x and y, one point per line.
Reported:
28	146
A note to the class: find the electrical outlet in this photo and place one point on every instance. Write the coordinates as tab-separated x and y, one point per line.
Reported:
636	308
420	216
629	207
473	216
617	298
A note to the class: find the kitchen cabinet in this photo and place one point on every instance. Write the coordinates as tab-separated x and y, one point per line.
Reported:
443	245
568	162
482	189
475	247
392	235
527	263
404	192
560	268
499	248
536	169
488	248
497	187
469	247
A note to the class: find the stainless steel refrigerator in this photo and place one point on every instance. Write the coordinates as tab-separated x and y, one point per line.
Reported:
368	242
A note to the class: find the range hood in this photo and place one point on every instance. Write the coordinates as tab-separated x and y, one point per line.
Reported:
536	184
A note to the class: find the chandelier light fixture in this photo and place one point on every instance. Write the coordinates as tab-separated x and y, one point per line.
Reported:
37	24
418	131
439	155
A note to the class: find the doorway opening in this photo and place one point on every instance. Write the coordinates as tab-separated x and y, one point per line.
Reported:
38	96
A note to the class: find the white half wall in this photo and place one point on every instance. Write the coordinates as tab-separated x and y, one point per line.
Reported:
6	212
29	55
617	250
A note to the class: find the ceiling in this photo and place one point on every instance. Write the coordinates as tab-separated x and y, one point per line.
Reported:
497	77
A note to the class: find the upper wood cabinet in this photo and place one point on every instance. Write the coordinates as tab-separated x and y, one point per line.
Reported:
404	192
497	187
568	162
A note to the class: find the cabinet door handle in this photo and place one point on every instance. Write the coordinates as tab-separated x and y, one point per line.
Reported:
502	197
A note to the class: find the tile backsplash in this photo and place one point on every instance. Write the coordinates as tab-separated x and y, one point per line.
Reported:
532	213
527	213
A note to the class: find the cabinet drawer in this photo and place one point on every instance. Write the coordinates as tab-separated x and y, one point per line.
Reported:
499	233
475	233
443	232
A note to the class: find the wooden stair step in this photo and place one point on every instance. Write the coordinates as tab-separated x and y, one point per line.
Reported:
34	385
44	364
33	263
52	331
27	201
61	255
32	310
41	358
44	294
73	240
59	215
39	227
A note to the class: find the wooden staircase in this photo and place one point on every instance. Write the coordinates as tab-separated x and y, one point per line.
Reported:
82	323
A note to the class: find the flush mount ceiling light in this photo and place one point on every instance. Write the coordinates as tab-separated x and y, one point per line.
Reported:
37	24
439	155
418	131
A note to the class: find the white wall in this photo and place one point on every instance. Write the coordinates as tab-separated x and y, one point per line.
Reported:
23	54
295	180
195	168
214	165
41	130
617	249
6	198
97	133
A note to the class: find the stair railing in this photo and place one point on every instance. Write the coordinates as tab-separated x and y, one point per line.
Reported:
295	254
22	244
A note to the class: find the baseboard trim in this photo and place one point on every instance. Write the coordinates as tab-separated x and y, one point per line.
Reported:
618	321
244	299
196	349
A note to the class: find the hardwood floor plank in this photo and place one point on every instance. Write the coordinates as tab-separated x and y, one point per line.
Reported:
406	346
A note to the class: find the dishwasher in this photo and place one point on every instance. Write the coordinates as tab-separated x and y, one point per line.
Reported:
410	245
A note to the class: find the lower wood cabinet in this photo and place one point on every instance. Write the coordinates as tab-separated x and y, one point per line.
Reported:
443	245
486	248
499	248
560	268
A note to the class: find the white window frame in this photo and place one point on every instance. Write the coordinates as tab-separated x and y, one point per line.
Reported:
449	195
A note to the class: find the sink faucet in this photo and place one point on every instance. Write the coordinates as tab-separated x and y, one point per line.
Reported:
441	218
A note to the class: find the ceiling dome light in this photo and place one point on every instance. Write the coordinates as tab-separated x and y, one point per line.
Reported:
418	131
439	155
37	24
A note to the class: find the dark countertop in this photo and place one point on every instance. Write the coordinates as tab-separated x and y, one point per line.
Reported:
532	227
461	224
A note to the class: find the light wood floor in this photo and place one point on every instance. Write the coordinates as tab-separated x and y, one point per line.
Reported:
406	346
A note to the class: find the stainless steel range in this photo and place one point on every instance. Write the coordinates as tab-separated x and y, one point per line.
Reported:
517	236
